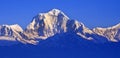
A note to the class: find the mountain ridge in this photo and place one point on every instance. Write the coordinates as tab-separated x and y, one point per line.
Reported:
45	25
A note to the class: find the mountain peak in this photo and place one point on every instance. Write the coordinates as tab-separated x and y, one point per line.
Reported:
50	18
54	22
116	26
110	33
49	23
55	10
15	27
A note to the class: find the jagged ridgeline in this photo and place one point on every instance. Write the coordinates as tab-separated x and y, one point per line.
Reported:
55	27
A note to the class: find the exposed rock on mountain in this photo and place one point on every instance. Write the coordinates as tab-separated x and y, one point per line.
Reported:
55	25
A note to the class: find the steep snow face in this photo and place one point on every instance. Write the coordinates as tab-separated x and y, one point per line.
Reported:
11	31
5	30
16	27
79	29
111	33
48	24
55	21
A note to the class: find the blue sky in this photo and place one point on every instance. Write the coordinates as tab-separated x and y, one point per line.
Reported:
92	13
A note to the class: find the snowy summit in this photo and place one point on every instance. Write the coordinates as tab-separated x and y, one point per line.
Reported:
56	24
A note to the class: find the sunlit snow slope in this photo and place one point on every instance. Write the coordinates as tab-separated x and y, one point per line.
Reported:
56	26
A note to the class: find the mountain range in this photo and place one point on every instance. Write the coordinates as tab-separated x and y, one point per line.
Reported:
56	28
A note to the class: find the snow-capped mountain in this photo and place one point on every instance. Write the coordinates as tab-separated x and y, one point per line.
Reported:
45	25
111	33
10	31
13	33
48	24
55	25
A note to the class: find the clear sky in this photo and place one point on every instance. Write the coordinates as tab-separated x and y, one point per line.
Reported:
92	13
